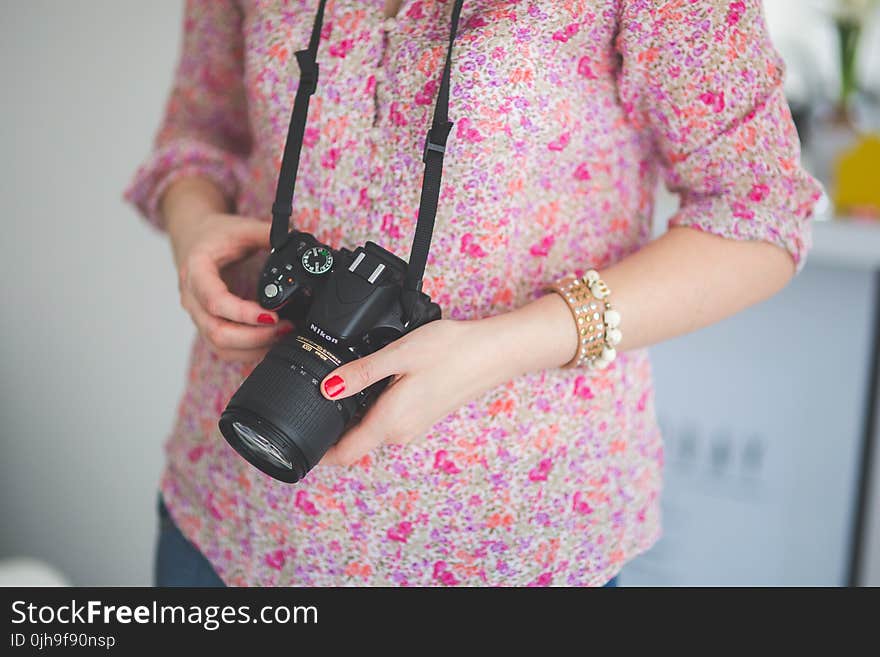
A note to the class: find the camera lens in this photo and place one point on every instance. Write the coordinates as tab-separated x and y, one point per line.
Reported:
253	440
278	419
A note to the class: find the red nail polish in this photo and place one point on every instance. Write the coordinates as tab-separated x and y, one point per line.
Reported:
284	330
334	386
265	318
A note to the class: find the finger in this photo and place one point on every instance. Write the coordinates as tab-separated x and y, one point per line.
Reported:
376	428
246	356
226	335
246	237
353	377
223	334
215	298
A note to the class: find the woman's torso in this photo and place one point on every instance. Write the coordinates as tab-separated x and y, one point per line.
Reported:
552	478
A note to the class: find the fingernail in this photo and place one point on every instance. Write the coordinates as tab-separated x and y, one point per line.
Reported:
334	386
265	318
284	330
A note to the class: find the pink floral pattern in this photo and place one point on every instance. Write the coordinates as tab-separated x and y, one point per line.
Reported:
566	115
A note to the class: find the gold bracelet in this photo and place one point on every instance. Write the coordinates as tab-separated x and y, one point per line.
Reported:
598	323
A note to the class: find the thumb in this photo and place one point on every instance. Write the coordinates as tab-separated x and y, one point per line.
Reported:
353	377
247	236
254	233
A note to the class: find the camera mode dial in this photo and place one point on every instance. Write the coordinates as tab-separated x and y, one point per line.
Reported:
317	260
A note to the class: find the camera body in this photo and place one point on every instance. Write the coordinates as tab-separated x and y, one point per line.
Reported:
345	300
345	305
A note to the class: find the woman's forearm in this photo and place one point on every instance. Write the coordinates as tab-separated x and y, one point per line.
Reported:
683	281
184	201
688	279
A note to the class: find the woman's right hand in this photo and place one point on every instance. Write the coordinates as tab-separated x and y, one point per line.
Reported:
203	244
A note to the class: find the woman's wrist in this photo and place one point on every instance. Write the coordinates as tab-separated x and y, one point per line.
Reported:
539	335
184	203
596	320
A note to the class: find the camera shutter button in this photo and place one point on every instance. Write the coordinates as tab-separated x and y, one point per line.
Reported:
271	291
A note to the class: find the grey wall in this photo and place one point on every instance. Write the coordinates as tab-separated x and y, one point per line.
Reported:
92	343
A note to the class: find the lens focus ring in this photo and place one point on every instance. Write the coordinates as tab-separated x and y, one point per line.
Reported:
283	393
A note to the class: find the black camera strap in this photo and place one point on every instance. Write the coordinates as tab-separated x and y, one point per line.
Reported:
282	208
432	155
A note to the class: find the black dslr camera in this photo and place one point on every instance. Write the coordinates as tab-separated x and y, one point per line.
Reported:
345	304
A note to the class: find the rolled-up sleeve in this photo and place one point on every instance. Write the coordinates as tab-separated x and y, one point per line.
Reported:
204	131
703	77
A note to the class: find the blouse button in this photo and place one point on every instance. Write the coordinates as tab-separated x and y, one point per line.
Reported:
389	24
374	191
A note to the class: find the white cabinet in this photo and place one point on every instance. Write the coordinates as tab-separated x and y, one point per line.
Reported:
764	424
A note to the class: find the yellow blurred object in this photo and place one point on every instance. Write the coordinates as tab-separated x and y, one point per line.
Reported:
857	176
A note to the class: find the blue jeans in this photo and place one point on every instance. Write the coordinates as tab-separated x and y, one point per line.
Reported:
179	562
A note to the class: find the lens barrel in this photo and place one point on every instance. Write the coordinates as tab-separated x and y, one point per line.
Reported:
278	419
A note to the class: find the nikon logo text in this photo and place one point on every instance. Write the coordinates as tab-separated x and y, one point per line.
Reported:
328	338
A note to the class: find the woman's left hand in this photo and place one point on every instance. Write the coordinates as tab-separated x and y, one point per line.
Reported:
441	366
436	369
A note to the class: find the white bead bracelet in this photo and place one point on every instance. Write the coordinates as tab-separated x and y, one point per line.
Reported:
598	323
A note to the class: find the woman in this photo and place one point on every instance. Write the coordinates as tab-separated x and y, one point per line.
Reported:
487	462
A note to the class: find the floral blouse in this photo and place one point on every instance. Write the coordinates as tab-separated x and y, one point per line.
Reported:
566	115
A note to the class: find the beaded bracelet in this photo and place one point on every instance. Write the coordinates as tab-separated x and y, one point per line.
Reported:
598	323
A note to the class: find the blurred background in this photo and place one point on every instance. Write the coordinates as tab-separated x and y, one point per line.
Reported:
770	418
